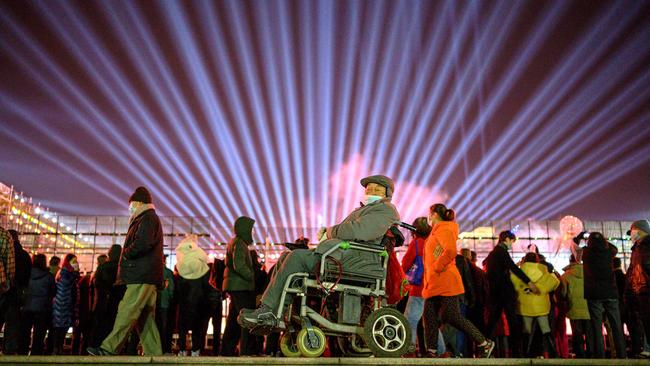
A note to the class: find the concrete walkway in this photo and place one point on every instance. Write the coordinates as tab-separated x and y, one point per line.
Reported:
131	360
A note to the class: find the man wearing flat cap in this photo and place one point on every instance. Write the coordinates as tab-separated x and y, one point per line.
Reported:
366	224
637	281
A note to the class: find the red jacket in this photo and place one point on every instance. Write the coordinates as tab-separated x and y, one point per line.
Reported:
407	262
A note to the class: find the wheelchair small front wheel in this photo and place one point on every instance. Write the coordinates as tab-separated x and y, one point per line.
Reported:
387	333
311	348
289	344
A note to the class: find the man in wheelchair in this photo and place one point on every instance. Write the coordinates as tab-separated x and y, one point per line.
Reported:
366	225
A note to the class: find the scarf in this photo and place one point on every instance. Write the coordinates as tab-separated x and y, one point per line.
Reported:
144	207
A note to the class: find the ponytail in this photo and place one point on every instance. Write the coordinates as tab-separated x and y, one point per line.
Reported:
446	214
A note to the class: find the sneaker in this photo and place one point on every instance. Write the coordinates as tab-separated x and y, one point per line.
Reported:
644	354
98	351
262	316
487	349
196	353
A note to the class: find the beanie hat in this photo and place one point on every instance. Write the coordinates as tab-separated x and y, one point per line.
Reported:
244	228
382	180
141	194
642	225
191	261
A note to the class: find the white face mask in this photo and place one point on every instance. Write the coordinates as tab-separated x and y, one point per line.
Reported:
369	198
132	208
634	236
75	266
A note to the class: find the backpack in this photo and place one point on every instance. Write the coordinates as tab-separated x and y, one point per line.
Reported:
416	272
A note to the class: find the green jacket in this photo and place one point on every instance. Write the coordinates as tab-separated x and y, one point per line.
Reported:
167	288
238	275
573	289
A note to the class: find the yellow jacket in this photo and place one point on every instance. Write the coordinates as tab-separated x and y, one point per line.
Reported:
529	304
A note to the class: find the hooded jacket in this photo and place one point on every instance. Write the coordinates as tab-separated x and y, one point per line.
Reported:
41	291
441	276
638	274
530	304
573	289
142	256
239	274
191	260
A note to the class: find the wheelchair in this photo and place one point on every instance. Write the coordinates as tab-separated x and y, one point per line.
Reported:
351	292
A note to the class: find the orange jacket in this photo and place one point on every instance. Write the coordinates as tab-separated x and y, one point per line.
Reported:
441	277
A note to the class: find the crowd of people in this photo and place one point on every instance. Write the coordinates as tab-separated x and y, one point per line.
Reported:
456	307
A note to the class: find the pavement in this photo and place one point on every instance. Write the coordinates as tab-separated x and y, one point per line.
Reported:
145	360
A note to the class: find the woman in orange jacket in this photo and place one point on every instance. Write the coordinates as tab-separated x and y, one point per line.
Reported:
443	284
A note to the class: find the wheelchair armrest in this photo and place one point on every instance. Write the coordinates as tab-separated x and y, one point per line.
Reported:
367	247
353	245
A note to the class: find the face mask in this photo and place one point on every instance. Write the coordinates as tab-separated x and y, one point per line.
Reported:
368	199
75	266
132	208
634	236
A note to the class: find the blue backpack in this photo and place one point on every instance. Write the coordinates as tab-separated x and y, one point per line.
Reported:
416	272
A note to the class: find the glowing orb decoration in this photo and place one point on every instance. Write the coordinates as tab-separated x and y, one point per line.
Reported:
570	226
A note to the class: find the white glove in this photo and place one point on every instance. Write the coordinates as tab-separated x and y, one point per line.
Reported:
321	234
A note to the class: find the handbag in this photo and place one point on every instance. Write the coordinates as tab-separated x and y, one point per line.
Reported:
416	272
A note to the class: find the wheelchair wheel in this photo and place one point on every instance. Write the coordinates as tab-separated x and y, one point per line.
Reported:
288	344
387	333
308	348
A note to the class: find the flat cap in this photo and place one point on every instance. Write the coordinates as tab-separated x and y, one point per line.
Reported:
382	180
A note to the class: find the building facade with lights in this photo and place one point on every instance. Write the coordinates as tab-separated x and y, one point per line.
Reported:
43	231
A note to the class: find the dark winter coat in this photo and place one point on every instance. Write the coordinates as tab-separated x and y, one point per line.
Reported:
499	264
465	271
239	274
600	283
216	274
41	291
66	302
638	274
23	266
192	300
481	286
107	293
142	256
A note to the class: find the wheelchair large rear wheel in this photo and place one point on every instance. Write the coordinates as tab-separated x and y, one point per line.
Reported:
387	333
289	344
310	348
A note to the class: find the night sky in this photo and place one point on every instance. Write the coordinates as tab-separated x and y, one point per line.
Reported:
276	109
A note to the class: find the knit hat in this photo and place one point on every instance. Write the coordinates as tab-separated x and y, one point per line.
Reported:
382	180
191	261
642	225
244	228
141	194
